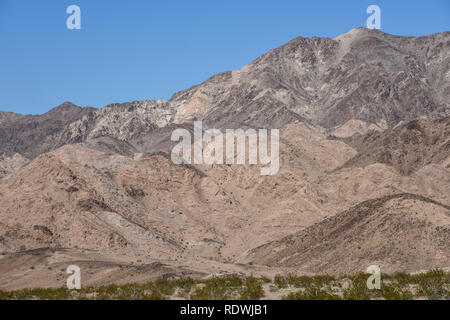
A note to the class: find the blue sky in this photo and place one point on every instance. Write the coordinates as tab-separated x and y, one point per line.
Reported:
145	49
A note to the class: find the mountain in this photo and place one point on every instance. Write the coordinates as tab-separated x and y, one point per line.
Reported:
407	147
365	75
399	232
364	172
32	135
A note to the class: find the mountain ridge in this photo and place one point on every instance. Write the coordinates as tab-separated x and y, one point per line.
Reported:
362	75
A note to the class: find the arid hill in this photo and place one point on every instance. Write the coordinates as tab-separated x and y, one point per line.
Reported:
399	232
407	147
32	135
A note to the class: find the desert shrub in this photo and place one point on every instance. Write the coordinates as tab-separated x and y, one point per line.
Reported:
218	288
164	286
252	290
185	283
154	295
4	295
394	291
273	288
321	280
358	290
184	286
160	288
41	293
210	292
311	293
292	280
433	284
302	281
130	292
280	281
401	278
107	292
299	282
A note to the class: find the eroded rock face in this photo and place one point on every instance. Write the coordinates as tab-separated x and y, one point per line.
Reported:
406	147
363	75
11	164
32	135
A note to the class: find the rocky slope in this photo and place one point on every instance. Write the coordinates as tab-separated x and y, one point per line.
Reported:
407	148
31	135
405	231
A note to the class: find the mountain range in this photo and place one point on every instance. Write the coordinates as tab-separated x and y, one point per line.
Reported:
364	173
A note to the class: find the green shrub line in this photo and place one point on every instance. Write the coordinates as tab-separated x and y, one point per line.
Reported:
432	285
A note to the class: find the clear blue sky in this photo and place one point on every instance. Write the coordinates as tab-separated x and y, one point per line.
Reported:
146	49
